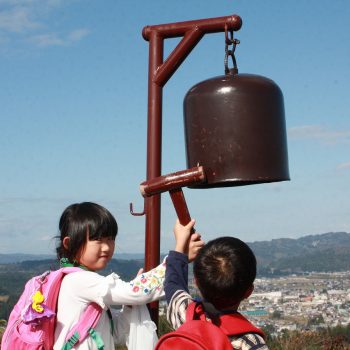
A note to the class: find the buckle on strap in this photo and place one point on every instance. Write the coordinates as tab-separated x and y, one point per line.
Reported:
71	341
97	339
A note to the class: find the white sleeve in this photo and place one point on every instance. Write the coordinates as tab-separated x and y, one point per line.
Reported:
111	290
147	287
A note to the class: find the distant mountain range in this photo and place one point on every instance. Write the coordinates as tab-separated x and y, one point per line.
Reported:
16	258
323	252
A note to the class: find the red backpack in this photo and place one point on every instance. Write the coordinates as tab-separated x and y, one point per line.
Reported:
197	333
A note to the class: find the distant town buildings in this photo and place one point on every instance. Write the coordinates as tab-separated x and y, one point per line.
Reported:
299	302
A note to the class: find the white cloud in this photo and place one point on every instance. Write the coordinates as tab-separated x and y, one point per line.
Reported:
54	39
17	20
26	227
47	40
77	34
45	238
344	166
16	2
41	3
31	20
319	133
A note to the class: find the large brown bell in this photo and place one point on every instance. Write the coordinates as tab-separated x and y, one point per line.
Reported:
235	128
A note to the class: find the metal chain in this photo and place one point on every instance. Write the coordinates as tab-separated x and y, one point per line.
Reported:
229	40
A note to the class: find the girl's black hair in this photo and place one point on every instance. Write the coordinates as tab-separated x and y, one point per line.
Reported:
225	268
80	220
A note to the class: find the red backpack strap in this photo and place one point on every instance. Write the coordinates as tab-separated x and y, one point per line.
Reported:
195	311
197	333
236	324
231	324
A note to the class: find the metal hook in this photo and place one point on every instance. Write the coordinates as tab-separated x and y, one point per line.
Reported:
136	214
228	41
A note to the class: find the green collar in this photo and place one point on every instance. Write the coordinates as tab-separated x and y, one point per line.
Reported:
64	262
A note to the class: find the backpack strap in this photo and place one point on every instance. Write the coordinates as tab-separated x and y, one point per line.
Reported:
84	327
236	324
195	311
111	322
232	324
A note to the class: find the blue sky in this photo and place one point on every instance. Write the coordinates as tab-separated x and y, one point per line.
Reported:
73	107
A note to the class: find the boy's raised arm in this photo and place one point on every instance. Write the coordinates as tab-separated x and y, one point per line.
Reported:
186	249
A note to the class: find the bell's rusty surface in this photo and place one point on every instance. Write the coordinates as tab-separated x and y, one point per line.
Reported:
235	128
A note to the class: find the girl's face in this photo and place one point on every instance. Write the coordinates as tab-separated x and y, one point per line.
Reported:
97	253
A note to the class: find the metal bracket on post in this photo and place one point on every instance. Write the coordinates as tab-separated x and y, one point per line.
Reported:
158	75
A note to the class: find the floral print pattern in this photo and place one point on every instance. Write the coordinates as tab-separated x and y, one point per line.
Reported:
149	281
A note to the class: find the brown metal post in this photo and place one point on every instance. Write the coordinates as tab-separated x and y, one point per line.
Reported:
159	73
154	154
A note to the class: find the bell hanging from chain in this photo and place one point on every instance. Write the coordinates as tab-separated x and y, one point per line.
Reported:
235	128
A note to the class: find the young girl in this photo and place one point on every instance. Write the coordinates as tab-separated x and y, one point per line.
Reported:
87	239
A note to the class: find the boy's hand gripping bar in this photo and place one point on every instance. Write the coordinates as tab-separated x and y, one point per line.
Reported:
173	183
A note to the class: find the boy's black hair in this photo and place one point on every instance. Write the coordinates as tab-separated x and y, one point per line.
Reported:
225	269
79	220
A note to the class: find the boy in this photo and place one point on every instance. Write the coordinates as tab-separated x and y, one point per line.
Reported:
224	271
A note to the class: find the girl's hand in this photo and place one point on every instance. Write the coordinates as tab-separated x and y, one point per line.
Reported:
139	272
195	244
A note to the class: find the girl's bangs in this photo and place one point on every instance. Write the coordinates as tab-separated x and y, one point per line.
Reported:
104	229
